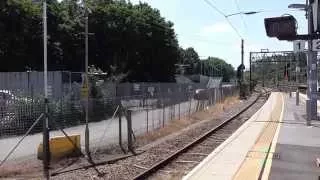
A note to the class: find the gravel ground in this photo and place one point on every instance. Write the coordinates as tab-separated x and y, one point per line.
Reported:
130	167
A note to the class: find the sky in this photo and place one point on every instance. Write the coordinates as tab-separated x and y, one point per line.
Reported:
199	26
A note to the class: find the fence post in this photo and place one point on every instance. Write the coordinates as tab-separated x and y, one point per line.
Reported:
215	96
159	117
189	107
297	97
163	113
152	110
179	108
210	98
172	111
147	119
61	111
129	130
221	95
120	130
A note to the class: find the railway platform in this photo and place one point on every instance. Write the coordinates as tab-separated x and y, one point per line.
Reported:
275	143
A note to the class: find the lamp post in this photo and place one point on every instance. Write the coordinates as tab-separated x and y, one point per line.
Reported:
242	94
244	13
86	83
45	124
46	135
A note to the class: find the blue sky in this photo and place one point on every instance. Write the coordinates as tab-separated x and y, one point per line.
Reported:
198	25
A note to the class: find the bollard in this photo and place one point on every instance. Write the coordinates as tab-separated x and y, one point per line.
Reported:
297	97
308	110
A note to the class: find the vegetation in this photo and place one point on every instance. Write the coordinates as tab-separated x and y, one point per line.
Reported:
277	68
131	40
216	67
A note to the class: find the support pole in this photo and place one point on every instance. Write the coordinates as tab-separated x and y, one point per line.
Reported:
242	54
46	135
312	71
87	133
263	77
250	76
242	93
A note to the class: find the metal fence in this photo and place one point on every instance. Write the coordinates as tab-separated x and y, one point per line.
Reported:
152	106
17	114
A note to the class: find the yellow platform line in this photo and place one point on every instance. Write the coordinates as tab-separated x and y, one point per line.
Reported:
256	158
267	168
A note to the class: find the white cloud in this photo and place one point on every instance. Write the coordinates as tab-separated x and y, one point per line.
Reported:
220	27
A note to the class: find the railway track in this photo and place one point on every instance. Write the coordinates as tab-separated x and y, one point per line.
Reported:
181	161
177	155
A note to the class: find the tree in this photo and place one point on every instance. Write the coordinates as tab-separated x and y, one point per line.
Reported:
190	58
213	66
20	35
127	39
134	39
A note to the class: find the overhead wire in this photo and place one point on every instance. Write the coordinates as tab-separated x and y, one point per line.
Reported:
161	27
234	28
225	16
205	40
215	8
241	15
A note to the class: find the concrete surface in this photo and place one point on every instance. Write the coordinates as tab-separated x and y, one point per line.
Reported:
225	160
297	146
255	161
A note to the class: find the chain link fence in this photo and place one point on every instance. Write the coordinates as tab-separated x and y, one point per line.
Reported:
152	106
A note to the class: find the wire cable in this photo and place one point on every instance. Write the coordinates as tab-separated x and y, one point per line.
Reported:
241	15
215	8
234	28
208	41
225	16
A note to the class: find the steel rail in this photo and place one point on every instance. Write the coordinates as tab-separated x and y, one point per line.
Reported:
173	156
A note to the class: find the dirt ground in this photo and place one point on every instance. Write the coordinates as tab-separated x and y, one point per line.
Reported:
32	169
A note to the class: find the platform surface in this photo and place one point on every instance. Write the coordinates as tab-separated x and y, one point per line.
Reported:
297	146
